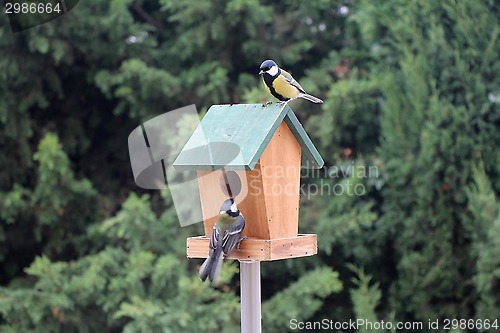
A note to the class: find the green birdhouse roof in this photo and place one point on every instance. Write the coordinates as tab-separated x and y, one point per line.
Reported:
233	137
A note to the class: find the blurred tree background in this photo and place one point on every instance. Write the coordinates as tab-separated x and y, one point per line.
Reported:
411	116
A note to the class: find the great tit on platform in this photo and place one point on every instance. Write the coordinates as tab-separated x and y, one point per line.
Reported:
226	235
282	85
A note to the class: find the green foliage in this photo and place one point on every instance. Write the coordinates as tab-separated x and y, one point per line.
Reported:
76	87
436	122
138	289
417	69
365	298
485	209
38	216
300	300
411	97
348	215
141	281
56	186
352	121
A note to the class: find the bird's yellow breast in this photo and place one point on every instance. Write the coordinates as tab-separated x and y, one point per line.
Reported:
282	87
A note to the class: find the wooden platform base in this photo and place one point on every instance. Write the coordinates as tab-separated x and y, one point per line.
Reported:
303	245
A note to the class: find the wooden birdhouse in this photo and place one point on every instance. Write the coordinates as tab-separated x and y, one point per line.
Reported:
255	154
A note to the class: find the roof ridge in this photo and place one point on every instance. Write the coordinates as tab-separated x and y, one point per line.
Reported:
234	149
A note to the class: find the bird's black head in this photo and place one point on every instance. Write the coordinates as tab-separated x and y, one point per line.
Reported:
229	207
269	67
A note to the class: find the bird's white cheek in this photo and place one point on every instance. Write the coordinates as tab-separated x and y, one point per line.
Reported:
273	71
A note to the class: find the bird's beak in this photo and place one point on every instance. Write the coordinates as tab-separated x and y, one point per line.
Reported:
261	72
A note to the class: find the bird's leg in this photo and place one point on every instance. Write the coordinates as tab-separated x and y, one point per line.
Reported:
239	242
267	103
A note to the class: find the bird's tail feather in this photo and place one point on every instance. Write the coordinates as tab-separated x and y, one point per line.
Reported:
310	98
212	267
216	268
205	268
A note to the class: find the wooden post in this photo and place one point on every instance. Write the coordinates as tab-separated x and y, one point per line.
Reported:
251	314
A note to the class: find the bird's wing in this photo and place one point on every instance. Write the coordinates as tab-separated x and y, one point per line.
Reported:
289	78
232	235
214	239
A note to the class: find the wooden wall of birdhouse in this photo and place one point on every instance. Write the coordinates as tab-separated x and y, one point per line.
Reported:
271	190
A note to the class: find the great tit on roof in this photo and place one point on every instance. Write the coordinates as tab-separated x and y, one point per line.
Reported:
282	85
226	235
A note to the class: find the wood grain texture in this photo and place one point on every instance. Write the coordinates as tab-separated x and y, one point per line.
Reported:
269	197
280	168
302	245
250	201
253	206
212	195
